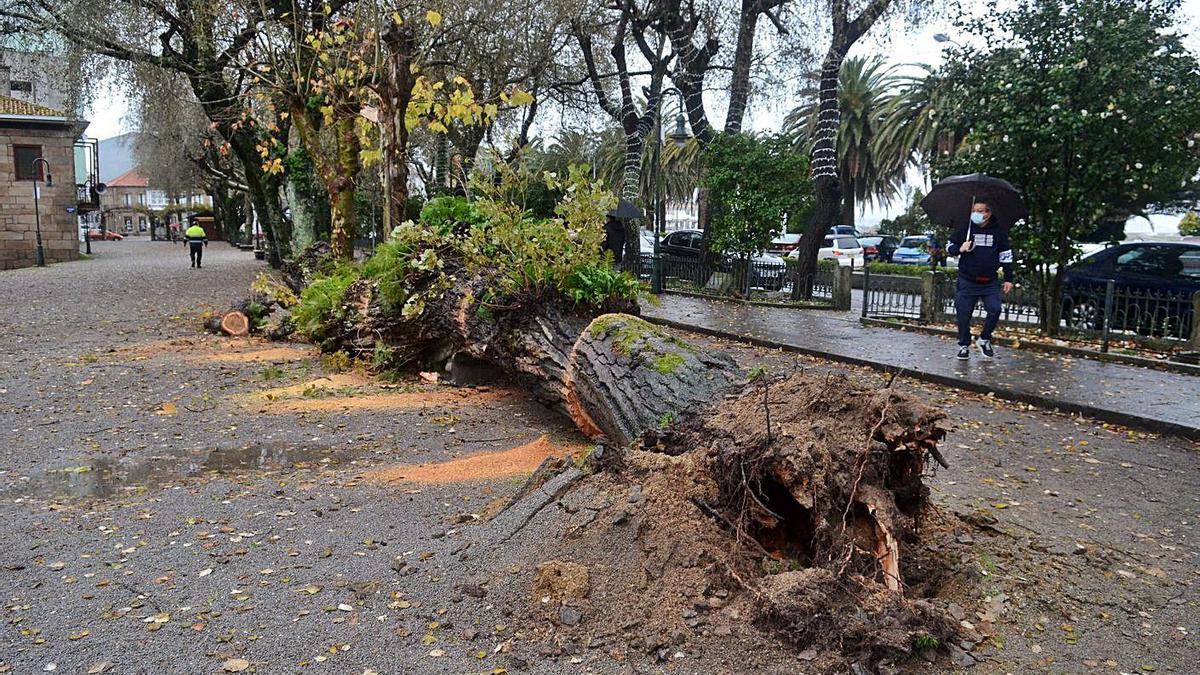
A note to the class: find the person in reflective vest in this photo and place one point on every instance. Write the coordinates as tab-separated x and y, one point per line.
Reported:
196	239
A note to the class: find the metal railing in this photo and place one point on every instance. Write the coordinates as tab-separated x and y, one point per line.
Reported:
1019	307
757	280
1097	314
892	296
1140	315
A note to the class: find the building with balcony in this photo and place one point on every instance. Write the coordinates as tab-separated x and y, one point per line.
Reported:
29	132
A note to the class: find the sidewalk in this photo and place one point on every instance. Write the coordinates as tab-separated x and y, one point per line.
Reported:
1153	400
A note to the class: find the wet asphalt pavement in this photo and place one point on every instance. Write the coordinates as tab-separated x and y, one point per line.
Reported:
155	521
158	520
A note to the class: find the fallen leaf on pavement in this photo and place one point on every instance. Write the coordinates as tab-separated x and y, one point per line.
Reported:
235	665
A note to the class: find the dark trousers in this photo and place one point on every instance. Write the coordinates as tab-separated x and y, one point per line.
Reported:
968	294
196	251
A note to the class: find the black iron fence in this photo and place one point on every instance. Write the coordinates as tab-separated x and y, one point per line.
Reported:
1099	315
892	296
753	279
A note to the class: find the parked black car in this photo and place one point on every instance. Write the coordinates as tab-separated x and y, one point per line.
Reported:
879	248
1152	290
681	251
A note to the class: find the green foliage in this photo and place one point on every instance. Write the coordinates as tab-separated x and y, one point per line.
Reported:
1189	226
868	171
267	286
271	373
823	265
448	215
531	258
924	641
665	420
337	362
894	269
593	286
522	259
407	268
321	305
1087	106
756	185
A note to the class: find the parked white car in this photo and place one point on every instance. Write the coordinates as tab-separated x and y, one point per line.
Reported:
843	248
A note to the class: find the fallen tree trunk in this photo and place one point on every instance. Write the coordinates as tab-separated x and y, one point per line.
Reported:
615	375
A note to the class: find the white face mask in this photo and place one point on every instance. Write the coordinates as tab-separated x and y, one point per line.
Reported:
977	218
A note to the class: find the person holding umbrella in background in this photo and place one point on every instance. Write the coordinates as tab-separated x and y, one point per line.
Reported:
980	208
982	248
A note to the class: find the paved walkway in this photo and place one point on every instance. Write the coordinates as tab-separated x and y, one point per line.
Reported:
1154	400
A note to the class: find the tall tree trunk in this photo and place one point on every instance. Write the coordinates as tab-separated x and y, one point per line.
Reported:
395	93
826	185
308	201
849	202
466	140
265	193
743	55
336	173
631	188
344	217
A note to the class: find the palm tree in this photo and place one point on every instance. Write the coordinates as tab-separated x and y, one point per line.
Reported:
865	86
915	126
605	152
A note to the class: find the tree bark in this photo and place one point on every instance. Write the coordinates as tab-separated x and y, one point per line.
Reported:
615	375
395	93
826	183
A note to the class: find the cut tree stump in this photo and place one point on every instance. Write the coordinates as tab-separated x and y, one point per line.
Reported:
626	376
235	324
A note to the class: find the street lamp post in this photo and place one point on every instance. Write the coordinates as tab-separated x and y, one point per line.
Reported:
37	217
679	137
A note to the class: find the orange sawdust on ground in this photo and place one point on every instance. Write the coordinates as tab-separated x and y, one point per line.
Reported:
273	354
522	459
327	383
392	401
172	347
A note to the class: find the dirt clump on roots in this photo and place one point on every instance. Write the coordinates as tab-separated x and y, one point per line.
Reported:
790	534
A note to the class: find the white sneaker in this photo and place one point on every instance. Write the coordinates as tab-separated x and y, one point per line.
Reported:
985	347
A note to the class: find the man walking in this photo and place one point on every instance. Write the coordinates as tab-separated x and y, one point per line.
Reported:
982	247
196	239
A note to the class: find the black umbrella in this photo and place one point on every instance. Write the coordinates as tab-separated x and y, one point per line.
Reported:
626	210
950	201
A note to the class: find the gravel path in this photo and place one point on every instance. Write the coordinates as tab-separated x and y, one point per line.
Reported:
161	515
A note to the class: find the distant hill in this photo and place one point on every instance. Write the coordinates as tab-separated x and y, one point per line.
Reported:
116	155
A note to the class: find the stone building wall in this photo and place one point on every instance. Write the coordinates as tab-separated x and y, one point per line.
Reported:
60	236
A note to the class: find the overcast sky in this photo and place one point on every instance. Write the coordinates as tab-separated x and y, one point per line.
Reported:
898	44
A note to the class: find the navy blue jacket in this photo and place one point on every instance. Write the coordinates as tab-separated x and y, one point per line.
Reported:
992	251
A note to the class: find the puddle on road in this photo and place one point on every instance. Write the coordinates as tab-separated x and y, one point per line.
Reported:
103	477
